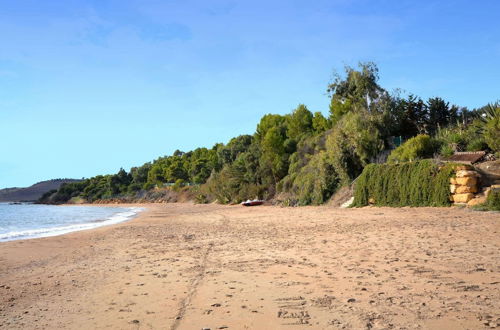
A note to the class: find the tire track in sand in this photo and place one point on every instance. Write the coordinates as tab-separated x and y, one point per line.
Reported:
193	288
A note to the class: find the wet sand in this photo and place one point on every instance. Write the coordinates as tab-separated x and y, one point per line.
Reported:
185	266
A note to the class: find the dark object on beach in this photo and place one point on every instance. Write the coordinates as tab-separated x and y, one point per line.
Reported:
255	202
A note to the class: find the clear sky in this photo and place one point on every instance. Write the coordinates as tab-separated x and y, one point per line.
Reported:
89	86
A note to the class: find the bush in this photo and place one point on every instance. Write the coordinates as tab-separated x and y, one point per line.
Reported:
461	138
229	186
492	202
179	183
446	150
477	144
452	138
418	147
421	183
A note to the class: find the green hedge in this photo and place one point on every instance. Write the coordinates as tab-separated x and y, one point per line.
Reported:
420	183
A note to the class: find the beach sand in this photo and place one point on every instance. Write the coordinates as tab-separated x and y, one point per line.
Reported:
185	266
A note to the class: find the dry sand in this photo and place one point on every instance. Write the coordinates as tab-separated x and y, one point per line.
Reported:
184	266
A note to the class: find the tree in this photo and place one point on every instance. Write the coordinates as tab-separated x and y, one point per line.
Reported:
156	175
228	153
358	90
353	142
176	170
200	170
438	114
140	174
178	153
274	157
268	122
119	182
320	123
299	123
408	117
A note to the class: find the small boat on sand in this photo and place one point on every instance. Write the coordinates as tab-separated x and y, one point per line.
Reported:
255	202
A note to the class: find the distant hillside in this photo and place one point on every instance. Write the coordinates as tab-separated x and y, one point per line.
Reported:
31	193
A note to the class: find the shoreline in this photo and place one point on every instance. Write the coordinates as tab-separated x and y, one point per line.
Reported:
127	213
190	266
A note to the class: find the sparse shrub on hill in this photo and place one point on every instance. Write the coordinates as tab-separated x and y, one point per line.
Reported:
420	183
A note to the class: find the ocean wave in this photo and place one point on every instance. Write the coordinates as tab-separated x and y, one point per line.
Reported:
59	230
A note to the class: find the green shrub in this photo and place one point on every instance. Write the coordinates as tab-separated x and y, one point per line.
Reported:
446	150
493	201
477	144
418	147
461	138
421	183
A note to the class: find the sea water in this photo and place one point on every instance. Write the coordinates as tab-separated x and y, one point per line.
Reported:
23	221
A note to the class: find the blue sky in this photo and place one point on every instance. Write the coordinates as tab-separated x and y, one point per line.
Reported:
87	87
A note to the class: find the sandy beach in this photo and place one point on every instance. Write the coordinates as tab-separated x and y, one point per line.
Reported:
185	266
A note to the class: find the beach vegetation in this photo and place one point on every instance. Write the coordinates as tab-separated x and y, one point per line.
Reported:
308	156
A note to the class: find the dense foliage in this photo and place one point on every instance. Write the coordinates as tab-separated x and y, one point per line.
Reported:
307	156
420	183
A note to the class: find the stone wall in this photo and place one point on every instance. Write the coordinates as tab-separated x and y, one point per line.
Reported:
468	188
465	185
